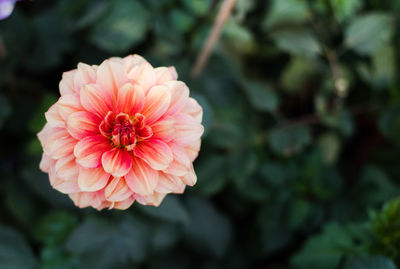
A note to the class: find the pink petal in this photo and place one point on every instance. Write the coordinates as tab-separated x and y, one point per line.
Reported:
130	99
169	183
193	109
83	124
181	163
45	163
85	199
155	152
65	186
68	104
56	142
190	178
125	203
111	76
179	96
164	74
117	190
156	103
117	162
96	100
84	75
144	75
66	168
164	129
141	178
187	130
131	61
93	179
53	117
89	150
155	199
67	85
193	149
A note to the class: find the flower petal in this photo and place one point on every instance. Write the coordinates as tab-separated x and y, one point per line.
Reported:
96	100
168	183
67	85
56	142
193	149
156	103
181	163
193	109
93	179
45	163
66	168
117	162
117	190
164	74
68	104
187	130
141	178
53	117
125	203
89	150
144	75
85	74
164	129
111	76
155	199
83	124
130	99
179	96
190	178
155	153
85	199
65	186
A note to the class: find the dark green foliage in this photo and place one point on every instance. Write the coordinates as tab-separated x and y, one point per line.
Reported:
299	166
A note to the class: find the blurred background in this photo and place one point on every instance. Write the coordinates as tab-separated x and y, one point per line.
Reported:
299	166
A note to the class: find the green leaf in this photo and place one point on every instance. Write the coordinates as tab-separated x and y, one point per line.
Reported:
329	144
171	209
238	37
287	142
55	227
323	250
297	73
211	174
261	96
301	43
197	7
368	33
369	262
209	230
344	9
123	27
389	123
165	236
15	252
286	12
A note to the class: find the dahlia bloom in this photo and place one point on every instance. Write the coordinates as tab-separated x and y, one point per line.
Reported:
121	131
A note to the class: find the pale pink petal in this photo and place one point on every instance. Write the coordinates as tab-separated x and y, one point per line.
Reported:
179	96
111	76
164	74
92	179
117	162
155	153
68	104
67	85
187	130
65	186
169	183
131	61
122	205
156	103
141	178
85	199
155	199
66	168
117	190
164	129
96	100
130	99
56	142
84	75
144	75
190	178
193	109
181	163
193	149
45	163
53	117
83	124
89	150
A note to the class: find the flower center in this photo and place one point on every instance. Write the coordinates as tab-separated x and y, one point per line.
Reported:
125	131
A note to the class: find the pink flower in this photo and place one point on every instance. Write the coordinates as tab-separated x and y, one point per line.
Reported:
121	131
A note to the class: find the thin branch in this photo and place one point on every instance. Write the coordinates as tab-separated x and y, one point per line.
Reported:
223	15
